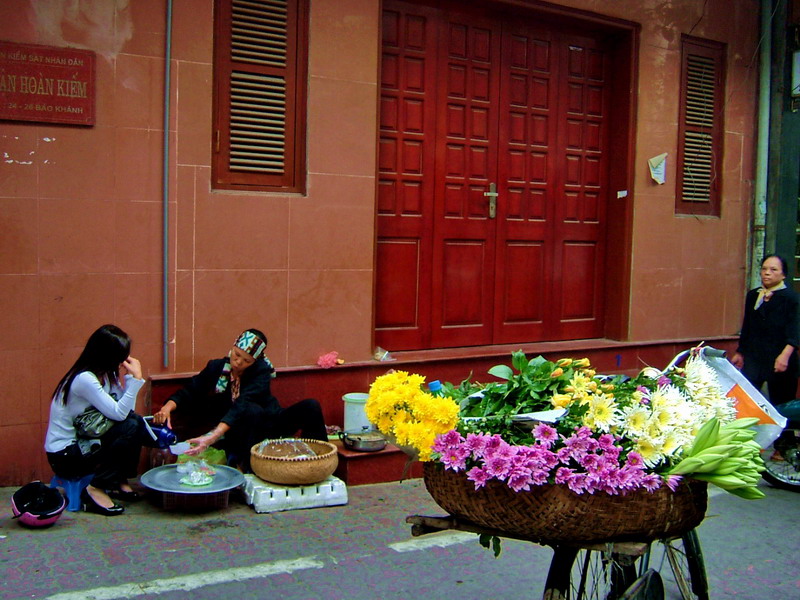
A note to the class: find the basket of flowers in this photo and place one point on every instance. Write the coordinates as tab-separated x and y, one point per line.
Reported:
552	452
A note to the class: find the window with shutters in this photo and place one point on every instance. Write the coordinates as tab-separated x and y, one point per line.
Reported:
260	58
700	128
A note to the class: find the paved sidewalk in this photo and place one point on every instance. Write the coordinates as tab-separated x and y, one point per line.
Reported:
327	552
359	551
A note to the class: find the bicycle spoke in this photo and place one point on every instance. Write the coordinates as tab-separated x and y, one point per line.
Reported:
782	468
680	568
588	575
687	567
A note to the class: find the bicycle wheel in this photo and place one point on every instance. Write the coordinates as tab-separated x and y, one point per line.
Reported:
782	462
588	575
688	567
647	587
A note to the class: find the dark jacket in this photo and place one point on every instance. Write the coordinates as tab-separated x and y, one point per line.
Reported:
767	331
200	393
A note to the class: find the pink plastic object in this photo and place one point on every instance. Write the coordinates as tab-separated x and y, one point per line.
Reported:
37	505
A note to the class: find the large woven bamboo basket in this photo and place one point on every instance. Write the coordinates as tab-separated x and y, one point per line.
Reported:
295	470
554	514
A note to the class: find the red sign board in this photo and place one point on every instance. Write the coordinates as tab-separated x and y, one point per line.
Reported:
46	84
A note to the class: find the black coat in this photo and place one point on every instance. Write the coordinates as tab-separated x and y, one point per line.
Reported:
768	330
254	387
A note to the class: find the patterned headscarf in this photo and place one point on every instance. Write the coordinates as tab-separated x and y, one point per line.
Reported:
254	346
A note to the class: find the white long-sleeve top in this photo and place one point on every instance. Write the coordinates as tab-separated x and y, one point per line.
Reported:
86	390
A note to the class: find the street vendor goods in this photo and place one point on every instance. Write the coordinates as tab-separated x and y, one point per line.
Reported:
196	473
293	461
554	514
597	457
168	479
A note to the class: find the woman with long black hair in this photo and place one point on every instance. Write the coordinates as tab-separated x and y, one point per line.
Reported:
104	377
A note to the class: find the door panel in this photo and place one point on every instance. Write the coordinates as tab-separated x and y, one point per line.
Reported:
467	101
463	247
580	213
405	177
527	137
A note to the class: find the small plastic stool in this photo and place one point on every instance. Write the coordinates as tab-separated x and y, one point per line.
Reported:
72	488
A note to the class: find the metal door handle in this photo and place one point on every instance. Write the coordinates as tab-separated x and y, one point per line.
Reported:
492	194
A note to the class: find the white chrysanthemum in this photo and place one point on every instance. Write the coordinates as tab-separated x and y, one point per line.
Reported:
603	412
634	420
726	412
703	386
664	417
686	414
650	451
673	441
664	397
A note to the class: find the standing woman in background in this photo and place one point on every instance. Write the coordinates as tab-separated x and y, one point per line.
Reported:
767	351
107	378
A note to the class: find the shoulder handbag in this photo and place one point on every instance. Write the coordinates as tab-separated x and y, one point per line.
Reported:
91	423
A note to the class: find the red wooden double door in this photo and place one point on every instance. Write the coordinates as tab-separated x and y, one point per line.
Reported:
492	180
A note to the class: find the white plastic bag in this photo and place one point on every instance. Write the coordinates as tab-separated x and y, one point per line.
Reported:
748	400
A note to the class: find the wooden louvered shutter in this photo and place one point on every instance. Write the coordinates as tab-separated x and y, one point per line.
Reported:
259	102
700	128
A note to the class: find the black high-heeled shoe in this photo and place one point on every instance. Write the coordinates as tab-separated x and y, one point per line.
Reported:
89	504
123	495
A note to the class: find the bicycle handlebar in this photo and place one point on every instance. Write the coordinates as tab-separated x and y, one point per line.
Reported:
714	352
705	350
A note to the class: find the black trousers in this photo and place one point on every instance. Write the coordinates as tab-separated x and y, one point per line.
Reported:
112	462
254	426
782	387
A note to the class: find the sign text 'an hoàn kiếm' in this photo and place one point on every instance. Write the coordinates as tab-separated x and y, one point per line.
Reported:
47	85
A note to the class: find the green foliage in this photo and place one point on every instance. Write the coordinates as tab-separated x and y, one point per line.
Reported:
529	389
490	541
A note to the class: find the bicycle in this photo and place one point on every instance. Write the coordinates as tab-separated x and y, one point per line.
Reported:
602	571
782	458
609	572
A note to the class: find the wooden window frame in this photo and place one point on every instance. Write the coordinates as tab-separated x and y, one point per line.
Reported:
700	128
281	90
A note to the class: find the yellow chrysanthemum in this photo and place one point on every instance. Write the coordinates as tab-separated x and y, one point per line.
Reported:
400	408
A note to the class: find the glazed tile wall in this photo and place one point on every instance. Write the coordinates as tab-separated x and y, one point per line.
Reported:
81	213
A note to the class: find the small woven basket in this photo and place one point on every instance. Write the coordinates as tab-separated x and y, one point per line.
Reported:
295	470
553	514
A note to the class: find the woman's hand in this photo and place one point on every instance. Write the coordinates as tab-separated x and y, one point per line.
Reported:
782	360
197	445
164	415
132	366
737	360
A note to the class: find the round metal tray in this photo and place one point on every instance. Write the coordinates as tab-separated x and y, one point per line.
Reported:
167	479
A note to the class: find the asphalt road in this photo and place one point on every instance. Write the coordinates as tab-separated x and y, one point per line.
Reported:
359	551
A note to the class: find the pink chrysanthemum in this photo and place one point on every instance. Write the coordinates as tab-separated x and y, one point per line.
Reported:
476	444
478	476
455	459
545	434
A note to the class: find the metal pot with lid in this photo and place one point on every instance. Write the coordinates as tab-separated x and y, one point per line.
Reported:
363	440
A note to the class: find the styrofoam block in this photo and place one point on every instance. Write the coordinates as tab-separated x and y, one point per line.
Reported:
267	497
